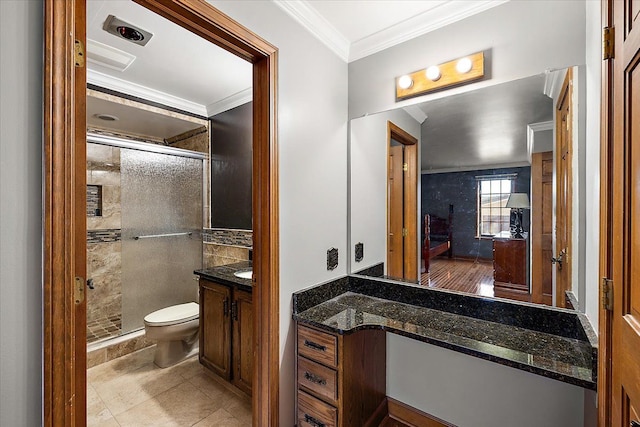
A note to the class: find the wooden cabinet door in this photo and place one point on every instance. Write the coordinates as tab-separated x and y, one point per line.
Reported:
215	328
242	340
509	261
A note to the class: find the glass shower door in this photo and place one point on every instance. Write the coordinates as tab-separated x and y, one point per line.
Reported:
161	199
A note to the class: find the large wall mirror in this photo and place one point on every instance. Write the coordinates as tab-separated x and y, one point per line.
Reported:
490	203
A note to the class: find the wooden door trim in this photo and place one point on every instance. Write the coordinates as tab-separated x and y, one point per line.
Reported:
64	211
410	213
566	93
64	207
605	319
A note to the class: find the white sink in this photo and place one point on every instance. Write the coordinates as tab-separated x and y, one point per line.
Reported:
247	274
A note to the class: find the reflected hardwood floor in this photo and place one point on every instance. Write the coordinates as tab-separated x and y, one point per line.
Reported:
132	391
474	277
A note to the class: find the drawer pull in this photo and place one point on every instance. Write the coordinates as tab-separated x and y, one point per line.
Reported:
314	378
314	345
309	419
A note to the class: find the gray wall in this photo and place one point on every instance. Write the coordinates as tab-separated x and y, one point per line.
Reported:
522	38
21	50
312	138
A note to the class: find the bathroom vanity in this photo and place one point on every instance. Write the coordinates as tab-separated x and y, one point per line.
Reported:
341	328
226	323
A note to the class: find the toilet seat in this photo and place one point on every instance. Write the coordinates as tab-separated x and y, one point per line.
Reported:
173	315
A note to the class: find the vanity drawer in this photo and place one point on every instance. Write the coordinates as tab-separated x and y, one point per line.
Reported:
315	413
318	346
317	378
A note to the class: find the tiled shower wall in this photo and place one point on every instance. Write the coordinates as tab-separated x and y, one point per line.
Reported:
223	246
104	248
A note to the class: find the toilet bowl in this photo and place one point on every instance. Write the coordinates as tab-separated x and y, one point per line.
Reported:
175	329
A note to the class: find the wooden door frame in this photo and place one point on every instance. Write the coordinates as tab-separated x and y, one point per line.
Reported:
607	168
565	93
411	262
64	205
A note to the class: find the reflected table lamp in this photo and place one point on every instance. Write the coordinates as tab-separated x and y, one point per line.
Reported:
518	202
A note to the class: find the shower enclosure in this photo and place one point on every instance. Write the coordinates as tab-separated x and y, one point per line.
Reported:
160	236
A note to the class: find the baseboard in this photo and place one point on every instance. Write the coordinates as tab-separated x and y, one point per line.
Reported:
413	417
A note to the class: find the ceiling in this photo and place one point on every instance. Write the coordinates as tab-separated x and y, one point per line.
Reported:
181	70
483	128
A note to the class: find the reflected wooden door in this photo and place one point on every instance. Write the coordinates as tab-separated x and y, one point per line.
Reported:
402	204
625	352
395	246
542	228
564	137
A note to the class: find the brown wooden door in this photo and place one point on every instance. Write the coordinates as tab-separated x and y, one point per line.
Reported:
402	204
395	248
563	189
625	351
215	328
242	340
542	228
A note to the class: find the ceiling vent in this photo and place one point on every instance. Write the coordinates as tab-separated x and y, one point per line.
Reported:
108	56
126	31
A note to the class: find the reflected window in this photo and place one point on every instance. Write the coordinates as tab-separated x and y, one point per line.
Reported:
493	216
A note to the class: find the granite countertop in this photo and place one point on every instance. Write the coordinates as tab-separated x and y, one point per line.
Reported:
224	275
567	357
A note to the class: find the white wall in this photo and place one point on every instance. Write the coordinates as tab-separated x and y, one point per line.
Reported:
523	38
471	392
592	180
312	138
20	212
368	183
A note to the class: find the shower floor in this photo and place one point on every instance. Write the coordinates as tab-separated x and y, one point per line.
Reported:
104	327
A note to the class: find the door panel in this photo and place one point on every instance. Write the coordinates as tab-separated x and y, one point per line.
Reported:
395	255
542	228
625	348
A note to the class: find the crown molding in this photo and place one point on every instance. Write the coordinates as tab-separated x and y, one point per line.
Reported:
230	102
133	89
317	25
418	25
415	112
475	168
553	80
432	19
531	135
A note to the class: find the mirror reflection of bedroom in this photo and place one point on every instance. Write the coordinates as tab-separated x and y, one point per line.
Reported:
488	208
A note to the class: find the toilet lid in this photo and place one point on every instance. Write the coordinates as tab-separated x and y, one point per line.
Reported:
174	314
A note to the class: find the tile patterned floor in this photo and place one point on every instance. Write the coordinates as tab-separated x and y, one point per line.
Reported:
103	328
132	391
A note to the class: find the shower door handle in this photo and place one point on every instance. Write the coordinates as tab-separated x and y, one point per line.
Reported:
225	307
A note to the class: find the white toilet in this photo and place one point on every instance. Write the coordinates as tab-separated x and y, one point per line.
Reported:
175	329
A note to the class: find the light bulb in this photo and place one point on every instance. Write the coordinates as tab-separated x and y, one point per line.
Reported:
433	73
405	82
464	65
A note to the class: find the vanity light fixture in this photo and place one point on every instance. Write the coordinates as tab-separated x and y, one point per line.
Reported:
464	65
437	77
433	73
405	82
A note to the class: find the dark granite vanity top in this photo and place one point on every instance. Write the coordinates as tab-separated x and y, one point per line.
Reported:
224	275
555	343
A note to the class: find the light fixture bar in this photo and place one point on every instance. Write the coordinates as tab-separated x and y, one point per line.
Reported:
461	70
